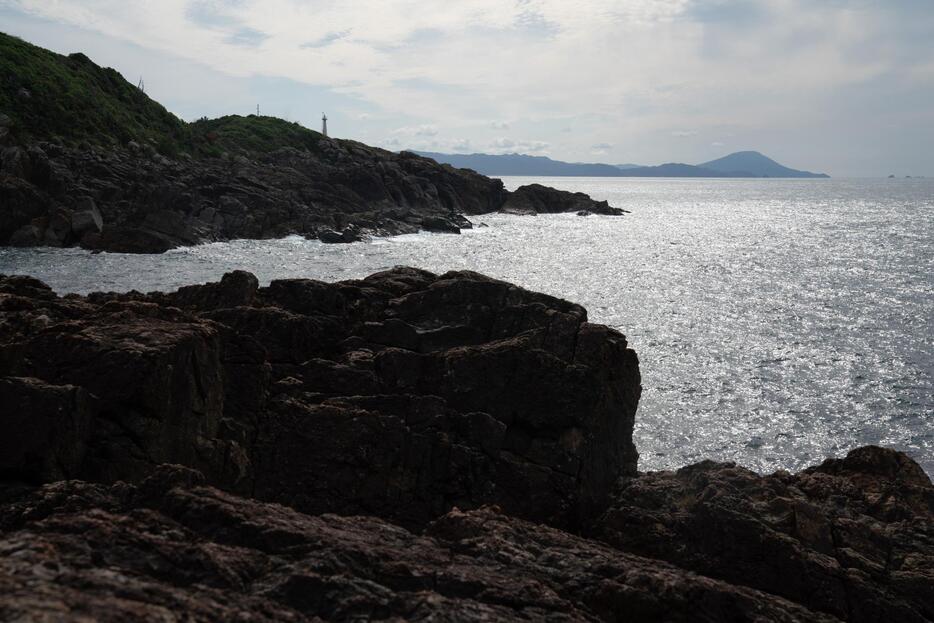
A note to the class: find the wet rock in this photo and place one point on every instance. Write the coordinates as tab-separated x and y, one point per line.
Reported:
329	236
134	240
440	225
538	199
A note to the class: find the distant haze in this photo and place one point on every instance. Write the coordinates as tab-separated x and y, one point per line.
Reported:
740	164
842	86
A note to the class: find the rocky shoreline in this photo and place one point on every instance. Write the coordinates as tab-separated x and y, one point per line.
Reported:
135	200
405	446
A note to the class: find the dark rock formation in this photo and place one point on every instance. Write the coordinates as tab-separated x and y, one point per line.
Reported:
400	395
538	199
135	200
461	428
171	548
853	538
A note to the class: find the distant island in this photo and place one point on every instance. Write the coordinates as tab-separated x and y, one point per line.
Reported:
739	164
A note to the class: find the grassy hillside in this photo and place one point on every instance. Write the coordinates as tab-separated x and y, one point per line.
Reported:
70	99
252	133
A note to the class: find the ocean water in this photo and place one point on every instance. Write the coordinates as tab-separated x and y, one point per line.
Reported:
778	322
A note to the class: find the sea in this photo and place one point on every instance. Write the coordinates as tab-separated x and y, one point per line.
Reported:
777	322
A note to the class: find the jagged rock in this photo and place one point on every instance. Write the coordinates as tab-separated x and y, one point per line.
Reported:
417	392
172	549
853	538
538	199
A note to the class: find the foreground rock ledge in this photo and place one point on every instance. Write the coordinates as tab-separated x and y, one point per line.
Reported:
471	441
400	395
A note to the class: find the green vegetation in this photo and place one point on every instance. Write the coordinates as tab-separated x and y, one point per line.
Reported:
71	100
253	134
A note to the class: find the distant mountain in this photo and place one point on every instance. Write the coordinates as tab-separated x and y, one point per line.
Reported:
677	169
740	164
756	164
520	164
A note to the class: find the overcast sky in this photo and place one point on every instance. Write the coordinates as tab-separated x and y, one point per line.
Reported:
842	86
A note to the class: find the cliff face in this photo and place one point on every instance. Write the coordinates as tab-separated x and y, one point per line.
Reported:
408	446
400	395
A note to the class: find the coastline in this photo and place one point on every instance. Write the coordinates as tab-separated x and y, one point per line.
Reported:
463	409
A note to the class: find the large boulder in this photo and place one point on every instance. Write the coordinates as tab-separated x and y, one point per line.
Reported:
86	218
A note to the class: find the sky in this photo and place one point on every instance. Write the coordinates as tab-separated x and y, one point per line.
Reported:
838	86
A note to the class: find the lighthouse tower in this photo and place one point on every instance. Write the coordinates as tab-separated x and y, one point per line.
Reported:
324	124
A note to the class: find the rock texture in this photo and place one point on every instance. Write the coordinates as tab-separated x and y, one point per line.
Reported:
400	395
406	446
853	537
135	200
171	549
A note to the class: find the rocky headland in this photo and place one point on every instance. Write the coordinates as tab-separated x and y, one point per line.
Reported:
407	446
87	159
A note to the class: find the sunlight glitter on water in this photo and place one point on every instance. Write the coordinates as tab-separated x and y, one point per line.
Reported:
777	321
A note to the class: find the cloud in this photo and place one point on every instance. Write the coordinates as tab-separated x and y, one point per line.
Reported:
248	37
718	144
615	71
420	130
504	145
325	40
462	145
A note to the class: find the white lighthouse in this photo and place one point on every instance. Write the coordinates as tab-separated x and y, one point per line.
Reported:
324	124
